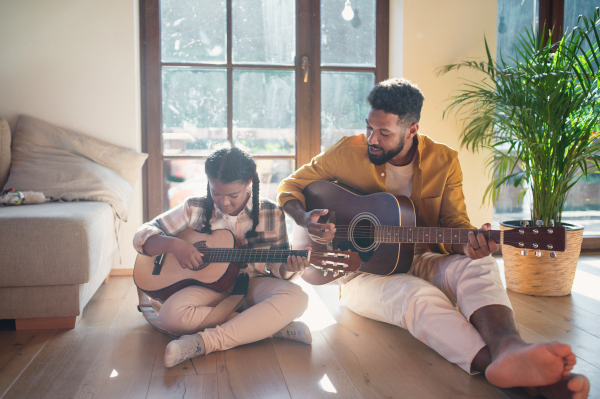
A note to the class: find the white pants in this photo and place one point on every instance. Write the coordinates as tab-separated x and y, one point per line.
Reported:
423	301
270	305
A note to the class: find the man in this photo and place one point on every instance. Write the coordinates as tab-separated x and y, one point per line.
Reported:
482	336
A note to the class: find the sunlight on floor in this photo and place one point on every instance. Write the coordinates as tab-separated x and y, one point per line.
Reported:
326	385
317	317
500	262
586	284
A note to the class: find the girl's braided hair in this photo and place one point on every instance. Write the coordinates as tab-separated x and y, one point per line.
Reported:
230	164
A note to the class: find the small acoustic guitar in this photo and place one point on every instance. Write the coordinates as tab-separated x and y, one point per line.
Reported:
161	276
381	228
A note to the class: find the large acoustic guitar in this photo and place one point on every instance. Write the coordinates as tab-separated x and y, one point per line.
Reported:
161	276
381	228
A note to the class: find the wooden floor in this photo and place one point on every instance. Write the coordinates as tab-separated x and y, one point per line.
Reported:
114	353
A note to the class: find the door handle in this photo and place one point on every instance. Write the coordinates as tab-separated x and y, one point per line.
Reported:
304	65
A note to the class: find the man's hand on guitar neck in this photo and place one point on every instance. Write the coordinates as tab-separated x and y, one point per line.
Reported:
318	232
477	247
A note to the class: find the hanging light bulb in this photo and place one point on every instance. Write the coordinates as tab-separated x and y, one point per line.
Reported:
348	14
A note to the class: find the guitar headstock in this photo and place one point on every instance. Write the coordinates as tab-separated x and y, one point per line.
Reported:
540	238
335	261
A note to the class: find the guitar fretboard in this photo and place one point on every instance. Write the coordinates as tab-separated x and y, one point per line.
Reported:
430	235
224	255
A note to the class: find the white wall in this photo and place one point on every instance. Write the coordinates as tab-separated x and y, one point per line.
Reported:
75	63
425	35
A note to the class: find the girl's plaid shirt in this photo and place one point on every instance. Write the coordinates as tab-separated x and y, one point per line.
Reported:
271	229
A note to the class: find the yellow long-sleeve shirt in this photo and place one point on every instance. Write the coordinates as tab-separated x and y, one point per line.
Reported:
437	181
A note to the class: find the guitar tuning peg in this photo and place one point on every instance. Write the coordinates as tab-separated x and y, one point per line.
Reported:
525	223
524	252
336	273
325	272
538	253
553	254
552	222
539	223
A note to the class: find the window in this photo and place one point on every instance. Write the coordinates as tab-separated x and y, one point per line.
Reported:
583	203
284	78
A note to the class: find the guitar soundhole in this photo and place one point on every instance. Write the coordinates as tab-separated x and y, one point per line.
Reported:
200	245
363	234
362	231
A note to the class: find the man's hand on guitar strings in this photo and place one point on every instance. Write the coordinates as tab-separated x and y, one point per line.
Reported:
186	254
478	247
318	232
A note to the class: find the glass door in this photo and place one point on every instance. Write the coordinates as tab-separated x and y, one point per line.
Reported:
284	78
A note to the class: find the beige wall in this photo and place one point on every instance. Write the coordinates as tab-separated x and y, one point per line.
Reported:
75	63
436	33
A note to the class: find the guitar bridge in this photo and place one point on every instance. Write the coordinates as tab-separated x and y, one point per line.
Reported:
158	264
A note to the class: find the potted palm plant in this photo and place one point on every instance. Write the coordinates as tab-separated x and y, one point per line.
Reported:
539	115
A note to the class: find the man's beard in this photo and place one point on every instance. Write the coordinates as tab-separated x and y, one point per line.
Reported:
385	156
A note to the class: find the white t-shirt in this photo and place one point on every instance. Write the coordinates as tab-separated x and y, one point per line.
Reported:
233	221
399	179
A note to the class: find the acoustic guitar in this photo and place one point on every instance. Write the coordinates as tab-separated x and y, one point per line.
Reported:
161	276
381	228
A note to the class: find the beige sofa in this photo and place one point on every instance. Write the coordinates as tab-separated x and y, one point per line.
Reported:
53	256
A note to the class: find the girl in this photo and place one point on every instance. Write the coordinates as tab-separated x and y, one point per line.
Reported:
271	303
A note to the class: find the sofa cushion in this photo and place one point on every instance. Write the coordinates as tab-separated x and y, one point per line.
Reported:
69	166
54	243
52	300
4	151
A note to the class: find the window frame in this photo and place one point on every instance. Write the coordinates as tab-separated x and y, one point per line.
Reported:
308	104
551	15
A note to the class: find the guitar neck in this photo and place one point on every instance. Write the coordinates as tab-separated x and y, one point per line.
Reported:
227	255
430	235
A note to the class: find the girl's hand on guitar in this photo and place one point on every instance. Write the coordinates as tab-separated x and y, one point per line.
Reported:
478	247
318	232
295	264
187	255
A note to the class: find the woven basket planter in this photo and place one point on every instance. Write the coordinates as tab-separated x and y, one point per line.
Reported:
544	276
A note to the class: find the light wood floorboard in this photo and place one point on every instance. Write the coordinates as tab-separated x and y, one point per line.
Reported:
351	357
375	369
123	366
250	371
314	371
60	367
184	386
17	350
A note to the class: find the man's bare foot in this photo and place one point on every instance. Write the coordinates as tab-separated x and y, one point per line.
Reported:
530	365
574	386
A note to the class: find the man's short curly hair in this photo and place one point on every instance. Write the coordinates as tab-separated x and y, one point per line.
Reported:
399	97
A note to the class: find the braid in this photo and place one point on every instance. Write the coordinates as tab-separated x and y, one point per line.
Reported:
255	206
209	205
